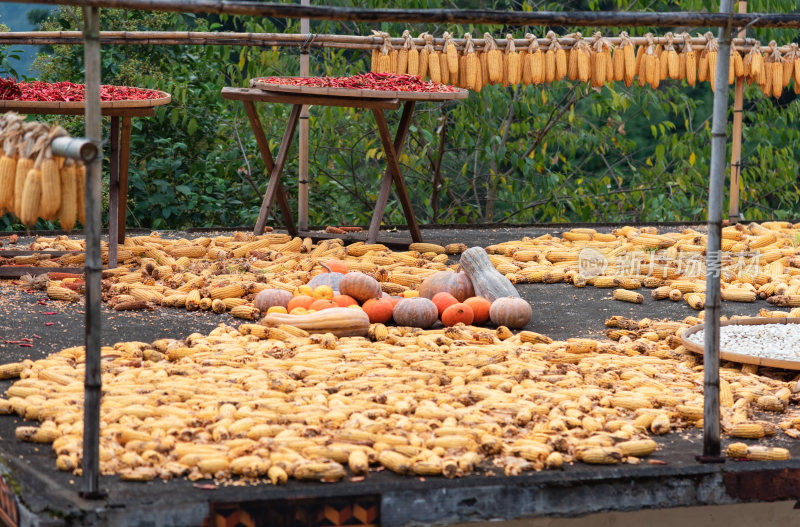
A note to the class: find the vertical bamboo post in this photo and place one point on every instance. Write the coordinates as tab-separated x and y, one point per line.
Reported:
93	264
719	121
736	147
302	172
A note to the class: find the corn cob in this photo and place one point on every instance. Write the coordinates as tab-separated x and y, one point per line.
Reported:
413	56
626	295
511	63
472	65
51	187
8	166
402	54
452	55
602	52
425	55
766	453
444	71
67	212
24	166
747	430
601	455
494	59
690	60
31	197
696	301
738	295
637	447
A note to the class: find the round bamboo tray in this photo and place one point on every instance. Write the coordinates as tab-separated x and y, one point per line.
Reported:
738	357
164	98
367	94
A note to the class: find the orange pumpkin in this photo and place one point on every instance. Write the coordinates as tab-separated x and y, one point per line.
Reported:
344	300
514	313
394	299
456	313
379	310
322	303
443	300
416	312
334	266
480	308
360	286
303	301
457	284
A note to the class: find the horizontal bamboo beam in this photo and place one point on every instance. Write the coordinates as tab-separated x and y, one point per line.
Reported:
449	16
189	38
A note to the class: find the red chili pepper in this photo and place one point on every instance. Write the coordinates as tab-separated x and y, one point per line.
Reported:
48	323
12	341
68	92
370	81
36	336
50	313
26	345
27	340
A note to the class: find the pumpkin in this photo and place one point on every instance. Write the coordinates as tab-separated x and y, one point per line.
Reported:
514	313
487	281
341	321
272	297
332	280
457	284
359	286
303	301
443	300
322	303
344	300
417	312
379	310
457	313
334	266
480	309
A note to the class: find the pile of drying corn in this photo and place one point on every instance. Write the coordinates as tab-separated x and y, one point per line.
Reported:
597	60
226	272
277	403
757	261
33	182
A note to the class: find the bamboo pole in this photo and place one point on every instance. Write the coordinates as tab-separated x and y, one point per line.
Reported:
711	419
448	16
93	265
302	142
736	147
299	40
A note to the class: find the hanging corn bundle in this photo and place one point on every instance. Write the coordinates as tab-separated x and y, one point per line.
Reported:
473	66
774	65
412	54
494	59
424	55
11	131
602	64
512	73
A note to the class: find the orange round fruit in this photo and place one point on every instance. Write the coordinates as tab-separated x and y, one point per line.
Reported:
335	266
303	301
458	312
344	300
480	308
379	310
443	300
322	303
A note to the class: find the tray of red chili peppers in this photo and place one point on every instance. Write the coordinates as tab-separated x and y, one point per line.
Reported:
371	85
66	94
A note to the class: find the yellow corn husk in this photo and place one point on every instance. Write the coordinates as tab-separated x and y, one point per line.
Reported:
747	430
67	211
31	197
601	455
767	453
637	447
8	171
626	295
50	200
738	295
24	166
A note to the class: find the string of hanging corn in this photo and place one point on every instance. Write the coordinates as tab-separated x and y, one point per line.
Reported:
34	183
597	60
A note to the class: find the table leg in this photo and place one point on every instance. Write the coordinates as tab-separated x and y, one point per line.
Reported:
124	162
113	193
275	188
397	176
386	182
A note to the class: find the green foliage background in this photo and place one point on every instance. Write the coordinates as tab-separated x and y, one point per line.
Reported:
562	152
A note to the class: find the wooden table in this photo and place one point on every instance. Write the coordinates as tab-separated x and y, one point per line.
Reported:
119	155
375	100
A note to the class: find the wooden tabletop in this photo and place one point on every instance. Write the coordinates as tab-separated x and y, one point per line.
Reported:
131	107
371	94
